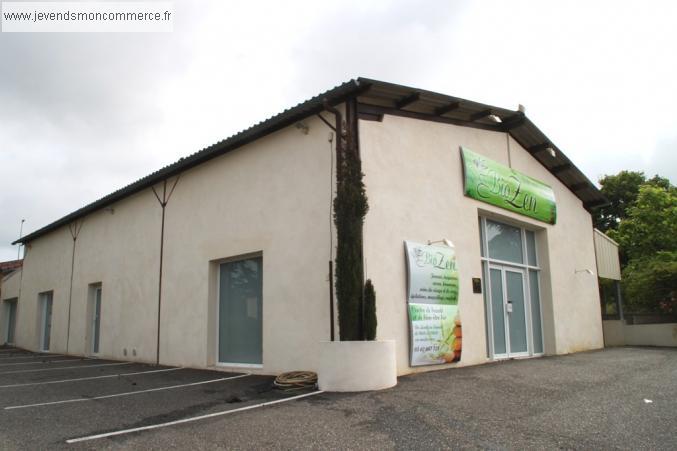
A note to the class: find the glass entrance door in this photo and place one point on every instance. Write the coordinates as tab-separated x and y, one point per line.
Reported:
46	320
511	288
241	312
11	321
96	320
508	311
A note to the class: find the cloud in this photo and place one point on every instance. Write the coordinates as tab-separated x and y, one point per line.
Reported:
84	114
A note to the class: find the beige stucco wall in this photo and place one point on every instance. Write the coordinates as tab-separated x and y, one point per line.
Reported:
270	197
614	332
10	288
11	285
46	267
119	249
413	174
618	333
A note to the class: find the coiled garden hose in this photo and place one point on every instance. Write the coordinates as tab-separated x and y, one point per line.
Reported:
296	380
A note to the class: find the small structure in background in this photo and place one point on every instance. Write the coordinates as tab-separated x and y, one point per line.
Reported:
10	275
7	268
621	328
609	273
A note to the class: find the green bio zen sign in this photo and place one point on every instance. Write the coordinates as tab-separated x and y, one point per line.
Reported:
495	184
432	300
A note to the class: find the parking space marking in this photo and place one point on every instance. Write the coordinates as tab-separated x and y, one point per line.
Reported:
66	368
33	356
130	393
188	420
48	362
62	381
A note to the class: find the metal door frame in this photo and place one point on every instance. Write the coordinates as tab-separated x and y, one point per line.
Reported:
506	319
45	298
96	331
501	265
10	326
217	361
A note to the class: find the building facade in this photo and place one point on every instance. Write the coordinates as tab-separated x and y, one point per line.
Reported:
222	259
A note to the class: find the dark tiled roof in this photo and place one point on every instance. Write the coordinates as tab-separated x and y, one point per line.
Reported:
379	96
11	265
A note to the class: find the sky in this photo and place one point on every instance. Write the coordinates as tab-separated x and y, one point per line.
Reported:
83	114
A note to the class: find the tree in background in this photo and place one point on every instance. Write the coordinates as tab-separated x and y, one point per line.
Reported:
650	224
647	237
621	190
649	283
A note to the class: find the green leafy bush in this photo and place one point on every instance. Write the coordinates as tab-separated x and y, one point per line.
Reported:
650	283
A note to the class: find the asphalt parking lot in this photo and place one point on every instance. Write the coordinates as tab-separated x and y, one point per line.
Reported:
620	398
46	400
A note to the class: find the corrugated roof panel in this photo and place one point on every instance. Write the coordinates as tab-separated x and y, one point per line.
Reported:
368	91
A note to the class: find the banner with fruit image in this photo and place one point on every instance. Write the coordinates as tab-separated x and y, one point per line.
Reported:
435	335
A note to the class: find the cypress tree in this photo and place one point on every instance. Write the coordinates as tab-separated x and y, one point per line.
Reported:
350	208
369	311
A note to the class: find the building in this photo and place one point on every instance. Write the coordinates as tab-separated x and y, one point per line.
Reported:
10	276
221	259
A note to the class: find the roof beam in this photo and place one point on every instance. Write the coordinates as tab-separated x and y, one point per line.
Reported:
407	100
514	121
538	148
366	116
579	186
440	111
595	203
377	109
479	115
560	168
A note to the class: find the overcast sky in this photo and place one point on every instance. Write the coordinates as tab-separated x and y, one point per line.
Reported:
84	114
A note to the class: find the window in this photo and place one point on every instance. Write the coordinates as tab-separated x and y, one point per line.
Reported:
10	313
94	316
609	296
240	306
45	318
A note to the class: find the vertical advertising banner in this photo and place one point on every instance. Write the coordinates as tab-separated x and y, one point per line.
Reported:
432	298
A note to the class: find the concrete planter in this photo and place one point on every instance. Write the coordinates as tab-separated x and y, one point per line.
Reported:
357	365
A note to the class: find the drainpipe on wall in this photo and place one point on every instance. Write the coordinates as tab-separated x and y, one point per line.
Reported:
163	204
340	150
74	229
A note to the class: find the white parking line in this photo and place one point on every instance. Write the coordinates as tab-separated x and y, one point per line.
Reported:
62	381
66	368
33	356
48	362
188	420
130	393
